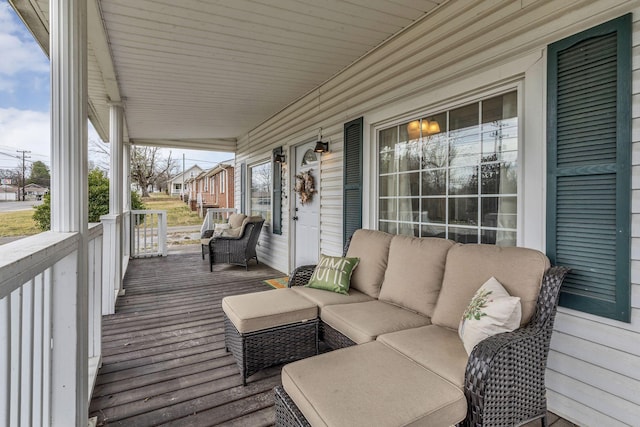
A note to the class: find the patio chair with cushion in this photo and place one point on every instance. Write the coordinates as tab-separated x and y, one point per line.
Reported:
233	223
236	247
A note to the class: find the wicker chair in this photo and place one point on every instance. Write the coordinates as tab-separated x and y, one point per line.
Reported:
504	378
236	250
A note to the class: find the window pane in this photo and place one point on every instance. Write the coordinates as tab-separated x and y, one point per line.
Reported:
463	180
434	210
499	212
463	211
408	209
388	185
464	136
388	209
409	184
389	227
499	178
434	182
260	203
388	139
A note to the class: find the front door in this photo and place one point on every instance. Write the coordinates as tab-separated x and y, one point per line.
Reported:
306	213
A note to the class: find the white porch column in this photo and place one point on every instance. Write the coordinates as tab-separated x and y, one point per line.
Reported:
116	133
113	224
126	200
69	211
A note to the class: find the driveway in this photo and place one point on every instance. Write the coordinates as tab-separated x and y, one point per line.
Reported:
18	206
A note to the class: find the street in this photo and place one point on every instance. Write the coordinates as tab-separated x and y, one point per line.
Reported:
18	206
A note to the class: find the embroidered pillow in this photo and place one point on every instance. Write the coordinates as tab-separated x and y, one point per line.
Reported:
333	274
491	311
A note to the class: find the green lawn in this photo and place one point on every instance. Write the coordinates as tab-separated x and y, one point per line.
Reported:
178	213
20	223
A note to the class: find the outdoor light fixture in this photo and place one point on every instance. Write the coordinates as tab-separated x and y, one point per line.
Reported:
321	147
278	155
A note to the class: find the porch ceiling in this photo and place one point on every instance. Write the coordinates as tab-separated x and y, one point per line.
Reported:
198	74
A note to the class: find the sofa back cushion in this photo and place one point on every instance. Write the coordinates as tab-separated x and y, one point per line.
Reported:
414	272
372	247
519	270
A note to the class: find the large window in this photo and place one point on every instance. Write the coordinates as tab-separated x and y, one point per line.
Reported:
453	174
260	199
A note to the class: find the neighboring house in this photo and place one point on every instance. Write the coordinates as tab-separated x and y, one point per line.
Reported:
34	192
215	188
175	184
8	193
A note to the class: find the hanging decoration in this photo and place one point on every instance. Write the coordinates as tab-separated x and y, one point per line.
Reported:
305	186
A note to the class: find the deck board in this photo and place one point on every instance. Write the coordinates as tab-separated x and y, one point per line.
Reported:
164	361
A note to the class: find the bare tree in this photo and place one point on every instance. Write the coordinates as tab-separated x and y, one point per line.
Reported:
148	165
99	155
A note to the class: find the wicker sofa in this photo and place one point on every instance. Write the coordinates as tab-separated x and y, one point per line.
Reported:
399	359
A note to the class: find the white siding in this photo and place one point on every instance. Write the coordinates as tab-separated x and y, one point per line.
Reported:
463	50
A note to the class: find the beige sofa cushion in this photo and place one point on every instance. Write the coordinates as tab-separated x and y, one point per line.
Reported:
414	272
520	271
364	321
268	309
434	347
323	298
371	384
372	247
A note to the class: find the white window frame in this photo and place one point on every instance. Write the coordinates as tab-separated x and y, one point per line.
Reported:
223	180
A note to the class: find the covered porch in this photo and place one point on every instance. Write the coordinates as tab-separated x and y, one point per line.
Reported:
264	79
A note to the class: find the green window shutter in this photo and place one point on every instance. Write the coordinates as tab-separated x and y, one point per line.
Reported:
352	194
243	187
588	166
277	193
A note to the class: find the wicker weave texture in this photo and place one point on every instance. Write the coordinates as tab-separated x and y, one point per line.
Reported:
255	351
333	338
504	378
238	251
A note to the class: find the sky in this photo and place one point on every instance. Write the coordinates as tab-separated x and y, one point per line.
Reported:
24	103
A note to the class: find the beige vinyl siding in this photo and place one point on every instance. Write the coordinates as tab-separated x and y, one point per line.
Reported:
461	50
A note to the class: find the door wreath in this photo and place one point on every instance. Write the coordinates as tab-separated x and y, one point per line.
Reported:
305	186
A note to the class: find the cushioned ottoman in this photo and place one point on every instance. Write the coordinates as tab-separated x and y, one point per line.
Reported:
392	390
268	328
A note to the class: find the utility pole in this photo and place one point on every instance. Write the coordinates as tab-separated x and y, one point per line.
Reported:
182	187
23	170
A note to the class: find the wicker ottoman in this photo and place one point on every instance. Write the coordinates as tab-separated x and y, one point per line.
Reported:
268	328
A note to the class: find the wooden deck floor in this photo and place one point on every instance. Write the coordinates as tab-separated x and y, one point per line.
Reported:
164	361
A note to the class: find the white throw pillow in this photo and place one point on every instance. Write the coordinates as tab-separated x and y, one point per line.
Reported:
491	311
219	228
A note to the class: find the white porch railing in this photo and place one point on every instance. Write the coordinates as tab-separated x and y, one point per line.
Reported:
36	276
148	233
215	215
